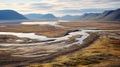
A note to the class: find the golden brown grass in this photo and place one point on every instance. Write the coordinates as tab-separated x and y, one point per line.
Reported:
91	24
47	30
72	39
102	53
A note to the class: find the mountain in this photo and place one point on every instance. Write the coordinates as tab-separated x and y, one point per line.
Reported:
112	15
109	15
40	16
10	15
33	16
70	17
48	16
88	16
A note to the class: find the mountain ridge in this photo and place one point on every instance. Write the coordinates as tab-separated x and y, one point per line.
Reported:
40	16
10	15
109	15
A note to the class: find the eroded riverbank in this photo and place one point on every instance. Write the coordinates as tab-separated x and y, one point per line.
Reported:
44	51
39	53
83	34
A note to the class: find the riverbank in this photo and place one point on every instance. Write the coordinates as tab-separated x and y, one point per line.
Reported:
44	58
13	55
103	52
45	30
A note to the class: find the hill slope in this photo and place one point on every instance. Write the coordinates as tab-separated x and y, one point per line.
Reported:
113	15
89	16
10	15
110	15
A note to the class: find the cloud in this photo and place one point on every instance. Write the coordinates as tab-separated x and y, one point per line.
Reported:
104	1
59	7
41	6
82	11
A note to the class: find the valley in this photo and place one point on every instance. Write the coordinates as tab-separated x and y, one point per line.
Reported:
59	33
34	45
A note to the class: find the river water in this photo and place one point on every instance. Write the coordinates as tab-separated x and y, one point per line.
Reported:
83	34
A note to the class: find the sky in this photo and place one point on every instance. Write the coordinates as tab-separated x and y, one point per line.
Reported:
59	7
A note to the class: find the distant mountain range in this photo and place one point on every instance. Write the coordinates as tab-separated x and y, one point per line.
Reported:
69	17
110	15
49	16
88	16
40	16
10	15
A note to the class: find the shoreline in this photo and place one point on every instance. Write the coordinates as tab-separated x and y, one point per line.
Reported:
63	52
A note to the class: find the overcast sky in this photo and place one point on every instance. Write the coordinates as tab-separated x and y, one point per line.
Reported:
59	7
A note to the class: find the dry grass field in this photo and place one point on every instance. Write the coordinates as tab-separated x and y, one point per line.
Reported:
91	25
100	49
8	54
104	52
46	30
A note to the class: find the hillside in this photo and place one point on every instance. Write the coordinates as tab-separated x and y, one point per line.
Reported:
109	15
113	15
10	15
88	16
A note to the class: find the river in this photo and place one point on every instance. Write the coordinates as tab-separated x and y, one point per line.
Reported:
83	34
